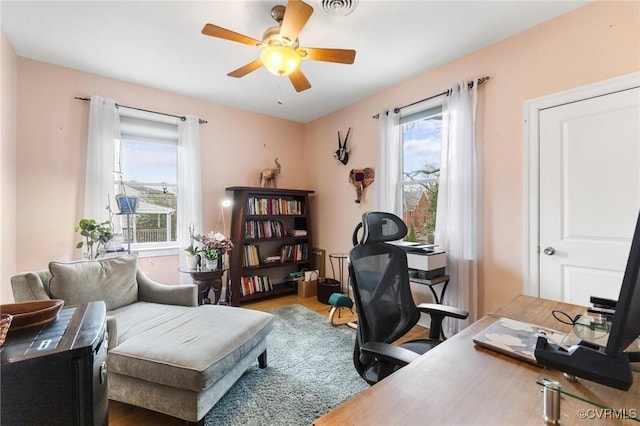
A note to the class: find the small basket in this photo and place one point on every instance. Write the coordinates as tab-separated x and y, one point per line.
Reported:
326	287
5	323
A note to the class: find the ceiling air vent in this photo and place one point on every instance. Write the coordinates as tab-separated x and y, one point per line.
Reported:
339	7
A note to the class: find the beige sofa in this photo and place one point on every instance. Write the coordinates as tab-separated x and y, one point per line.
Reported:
165	353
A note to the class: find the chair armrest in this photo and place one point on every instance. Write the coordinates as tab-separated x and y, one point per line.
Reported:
155	292
438	313
112	332
29	286
389	353
443	310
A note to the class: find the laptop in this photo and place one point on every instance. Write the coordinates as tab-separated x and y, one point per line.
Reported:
516	339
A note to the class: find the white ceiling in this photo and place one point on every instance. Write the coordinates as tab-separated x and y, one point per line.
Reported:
159	44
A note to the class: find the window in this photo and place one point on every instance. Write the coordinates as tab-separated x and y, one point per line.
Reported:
147	157
421	134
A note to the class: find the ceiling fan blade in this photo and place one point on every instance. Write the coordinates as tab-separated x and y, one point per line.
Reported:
299	80
244	70
295	17
216	31
343	56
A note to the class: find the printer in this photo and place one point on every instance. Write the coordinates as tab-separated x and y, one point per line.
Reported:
425	261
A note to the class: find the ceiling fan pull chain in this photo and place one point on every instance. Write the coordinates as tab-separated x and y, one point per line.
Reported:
280	102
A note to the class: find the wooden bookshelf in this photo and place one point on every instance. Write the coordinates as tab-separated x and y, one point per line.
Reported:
265	218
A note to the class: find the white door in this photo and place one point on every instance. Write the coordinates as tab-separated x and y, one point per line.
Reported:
589	195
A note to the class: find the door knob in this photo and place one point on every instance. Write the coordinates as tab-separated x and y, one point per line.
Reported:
549	251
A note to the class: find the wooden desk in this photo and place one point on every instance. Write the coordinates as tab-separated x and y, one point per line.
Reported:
458	383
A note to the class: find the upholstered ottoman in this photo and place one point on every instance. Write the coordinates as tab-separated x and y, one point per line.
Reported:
182	360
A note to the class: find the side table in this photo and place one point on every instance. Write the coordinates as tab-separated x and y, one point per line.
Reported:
56	373
441	279
340	258
206	280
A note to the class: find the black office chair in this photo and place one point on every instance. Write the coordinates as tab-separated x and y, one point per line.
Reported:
386	310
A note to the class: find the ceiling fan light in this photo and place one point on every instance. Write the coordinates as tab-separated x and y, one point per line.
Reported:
280	60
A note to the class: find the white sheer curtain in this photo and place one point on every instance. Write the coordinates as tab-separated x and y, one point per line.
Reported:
457	215
189	185
104	130
386	196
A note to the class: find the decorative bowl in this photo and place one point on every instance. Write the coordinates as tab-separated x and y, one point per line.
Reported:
5	323
31	314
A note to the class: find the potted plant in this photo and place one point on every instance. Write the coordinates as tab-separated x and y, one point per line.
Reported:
214	246
96	236
191	251
128	204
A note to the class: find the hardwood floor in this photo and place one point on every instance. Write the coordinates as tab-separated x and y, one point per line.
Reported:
125	415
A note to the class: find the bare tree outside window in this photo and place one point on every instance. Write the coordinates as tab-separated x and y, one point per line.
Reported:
422	144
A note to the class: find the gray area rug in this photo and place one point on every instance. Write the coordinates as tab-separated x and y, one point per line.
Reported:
310	371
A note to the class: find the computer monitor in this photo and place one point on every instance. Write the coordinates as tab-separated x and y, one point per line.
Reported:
609	366
625	327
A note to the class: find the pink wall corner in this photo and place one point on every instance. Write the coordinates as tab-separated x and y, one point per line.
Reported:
8	89
593	43
52	131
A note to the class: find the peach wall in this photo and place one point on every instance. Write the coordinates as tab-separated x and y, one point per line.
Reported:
595	42
8	78
52	131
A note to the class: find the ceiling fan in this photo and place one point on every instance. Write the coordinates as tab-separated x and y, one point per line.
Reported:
280	52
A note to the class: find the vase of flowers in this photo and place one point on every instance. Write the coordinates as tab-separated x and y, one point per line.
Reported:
214	246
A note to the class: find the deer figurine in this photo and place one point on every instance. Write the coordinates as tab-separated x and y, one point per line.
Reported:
268	176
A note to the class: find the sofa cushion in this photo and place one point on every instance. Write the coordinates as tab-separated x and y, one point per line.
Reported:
111	279
184	347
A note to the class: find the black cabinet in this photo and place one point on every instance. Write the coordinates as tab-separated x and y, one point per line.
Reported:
56	374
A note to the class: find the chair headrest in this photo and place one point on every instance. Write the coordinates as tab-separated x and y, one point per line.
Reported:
379	227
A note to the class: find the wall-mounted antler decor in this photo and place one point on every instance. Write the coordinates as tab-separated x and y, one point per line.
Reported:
360	179
342	153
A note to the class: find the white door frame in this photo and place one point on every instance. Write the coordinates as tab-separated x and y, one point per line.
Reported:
532	108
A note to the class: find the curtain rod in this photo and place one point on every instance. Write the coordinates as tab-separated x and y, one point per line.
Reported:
181	117
447	92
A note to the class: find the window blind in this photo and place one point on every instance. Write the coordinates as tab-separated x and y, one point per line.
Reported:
148	127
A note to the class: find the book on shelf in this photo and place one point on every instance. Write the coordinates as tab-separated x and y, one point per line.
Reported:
297	232
251	255
294	252
273	206
255	284
263	229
